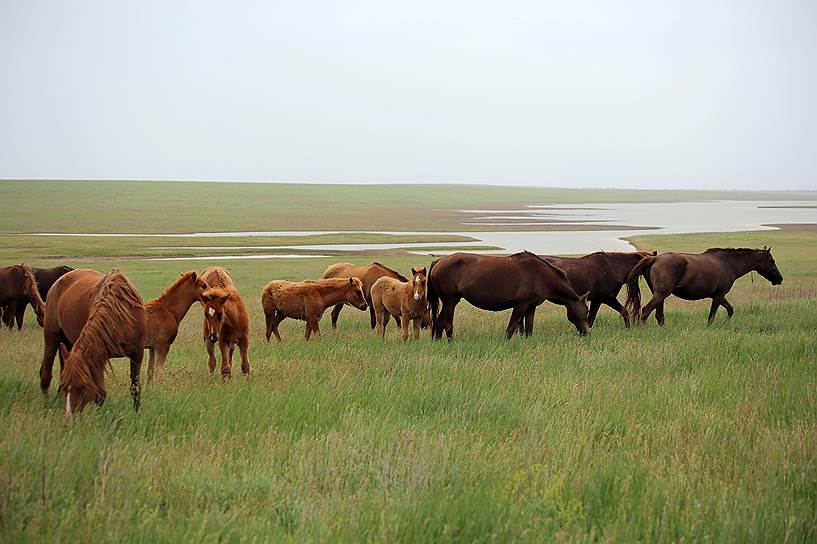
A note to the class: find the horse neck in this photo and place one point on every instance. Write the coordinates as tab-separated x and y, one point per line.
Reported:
332	295
177	301
740	262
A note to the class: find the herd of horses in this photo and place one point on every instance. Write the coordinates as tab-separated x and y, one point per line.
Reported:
89	317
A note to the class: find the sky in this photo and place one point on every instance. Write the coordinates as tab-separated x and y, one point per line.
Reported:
639	94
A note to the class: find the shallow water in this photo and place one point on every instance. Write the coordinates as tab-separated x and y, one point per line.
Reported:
664	218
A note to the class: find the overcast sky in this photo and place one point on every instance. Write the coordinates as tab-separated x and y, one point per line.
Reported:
687	94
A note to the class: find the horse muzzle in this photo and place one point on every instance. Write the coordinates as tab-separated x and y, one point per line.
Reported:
212	338
363	306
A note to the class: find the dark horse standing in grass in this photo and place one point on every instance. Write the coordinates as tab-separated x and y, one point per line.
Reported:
45	278
602	275
18	287
694	276
521	281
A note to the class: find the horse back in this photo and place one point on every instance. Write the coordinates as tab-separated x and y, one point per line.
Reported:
216	276
68	307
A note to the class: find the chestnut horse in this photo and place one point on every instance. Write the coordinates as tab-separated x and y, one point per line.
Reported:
45	278
18	287
694	276
226	320
521	281
602	275
307	300
403	298
165	314
367	275
90	318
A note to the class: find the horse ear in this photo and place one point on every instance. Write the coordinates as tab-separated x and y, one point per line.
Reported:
584	297
193	276
769	249
654	253
422	270
64	352
351	281
413	271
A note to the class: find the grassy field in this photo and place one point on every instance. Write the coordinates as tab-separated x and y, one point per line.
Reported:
682	433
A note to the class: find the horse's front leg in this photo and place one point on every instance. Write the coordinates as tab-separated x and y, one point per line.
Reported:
595	304
211	355
404	323
513	323
135	383
225	359
713	309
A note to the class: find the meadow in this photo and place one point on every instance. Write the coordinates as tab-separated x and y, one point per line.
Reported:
685	432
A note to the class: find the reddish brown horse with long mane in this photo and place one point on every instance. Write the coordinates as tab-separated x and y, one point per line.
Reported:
45	278
521	281
694	276
367	275
91	318
18	287
164	315
602	275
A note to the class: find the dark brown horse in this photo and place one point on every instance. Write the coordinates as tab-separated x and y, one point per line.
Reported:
602	275
18	287
367	275
694	276
521	281
90	318
45	278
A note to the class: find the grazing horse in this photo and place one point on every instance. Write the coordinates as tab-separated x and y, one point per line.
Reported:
404	298
45	278
602	275
91	318
367	275
521	281
165	313
226	320
307	300
694	276
18	287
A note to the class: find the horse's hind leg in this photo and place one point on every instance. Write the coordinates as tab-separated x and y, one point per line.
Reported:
135	370
655	302
728	307
20	315
446	321
50	349
276	320
659	313
335	313
244	346
616	305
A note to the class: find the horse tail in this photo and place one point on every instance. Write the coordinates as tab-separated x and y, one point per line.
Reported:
633	303
33	293
432	296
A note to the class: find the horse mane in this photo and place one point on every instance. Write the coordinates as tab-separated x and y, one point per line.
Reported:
397	274
732	250
170	289
31	291
559	272
114	303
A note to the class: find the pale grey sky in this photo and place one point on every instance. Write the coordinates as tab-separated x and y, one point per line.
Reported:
647	94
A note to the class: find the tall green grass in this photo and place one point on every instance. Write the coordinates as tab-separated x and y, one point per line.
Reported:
685	432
